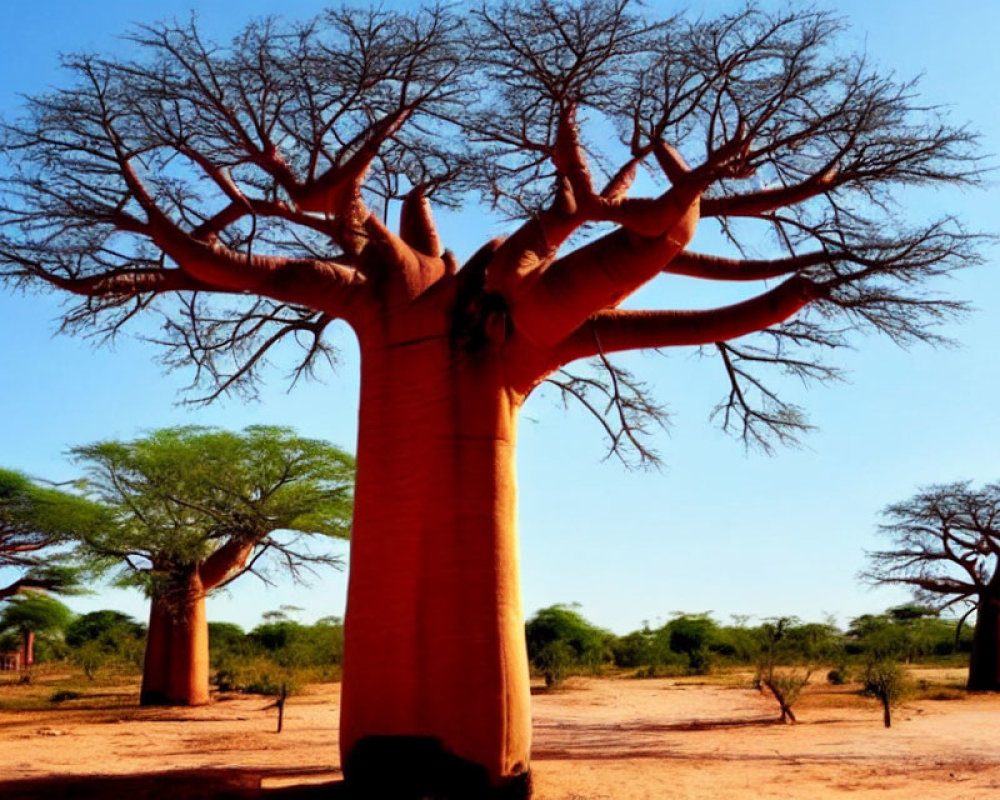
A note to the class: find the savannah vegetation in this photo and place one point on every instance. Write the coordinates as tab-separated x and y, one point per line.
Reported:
780	657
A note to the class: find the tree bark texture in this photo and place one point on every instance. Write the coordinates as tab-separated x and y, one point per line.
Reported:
435	670
984	666
175	670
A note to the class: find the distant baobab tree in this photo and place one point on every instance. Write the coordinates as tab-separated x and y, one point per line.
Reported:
945	545
197	508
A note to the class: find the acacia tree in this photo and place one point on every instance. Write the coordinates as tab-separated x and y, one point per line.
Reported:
36	522
946	547
245	192
197	508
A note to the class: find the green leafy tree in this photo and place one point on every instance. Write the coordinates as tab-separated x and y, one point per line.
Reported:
38	525
883	641
691	635
104	626
225	638
560	639
635	649
31	615
886	681
197	508
104	636
277	653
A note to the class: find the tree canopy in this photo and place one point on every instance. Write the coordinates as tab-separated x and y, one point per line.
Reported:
192	496
38	524
34	612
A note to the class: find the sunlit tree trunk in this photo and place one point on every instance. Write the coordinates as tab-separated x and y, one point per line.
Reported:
29	649
435	671
984	666
175	670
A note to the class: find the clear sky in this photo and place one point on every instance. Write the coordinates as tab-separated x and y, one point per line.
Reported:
717	529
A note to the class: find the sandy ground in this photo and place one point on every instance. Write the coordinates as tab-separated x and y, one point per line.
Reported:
600	739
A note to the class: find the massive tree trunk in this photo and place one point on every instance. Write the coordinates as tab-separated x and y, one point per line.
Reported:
984	666
175	671
435	692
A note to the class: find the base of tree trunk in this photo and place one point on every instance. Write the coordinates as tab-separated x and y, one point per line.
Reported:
414	767
158	698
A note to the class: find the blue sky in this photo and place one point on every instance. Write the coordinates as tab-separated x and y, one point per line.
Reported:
717	529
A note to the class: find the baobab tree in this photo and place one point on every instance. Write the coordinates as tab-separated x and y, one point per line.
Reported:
945	545
245	192
196	508
37	527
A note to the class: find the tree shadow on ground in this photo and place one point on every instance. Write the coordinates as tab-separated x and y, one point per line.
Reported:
200	784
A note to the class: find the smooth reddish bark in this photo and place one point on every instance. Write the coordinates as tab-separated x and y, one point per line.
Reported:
435	646
175	671
29	649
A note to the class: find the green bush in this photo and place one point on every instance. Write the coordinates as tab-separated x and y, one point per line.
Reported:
560	641
277	652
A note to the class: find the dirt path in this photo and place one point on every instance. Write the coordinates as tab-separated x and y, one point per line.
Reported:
606	739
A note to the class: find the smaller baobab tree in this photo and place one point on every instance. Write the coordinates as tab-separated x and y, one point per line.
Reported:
946	547
36	522
199	507
33	613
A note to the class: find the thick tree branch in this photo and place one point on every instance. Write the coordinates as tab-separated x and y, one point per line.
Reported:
757	204
717	268
229	558
617	330
548	306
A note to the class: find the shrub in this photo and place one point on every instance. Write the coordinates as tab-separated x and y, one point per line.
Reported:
884	679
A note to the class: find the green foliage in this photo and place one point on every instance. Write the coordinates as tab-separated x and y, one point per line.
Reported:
691	636
105	637
786	653
37	528
634	649
182	494
554	660
275	653
683	645
38	512
35	612
227	637
560	640
907	633
105	627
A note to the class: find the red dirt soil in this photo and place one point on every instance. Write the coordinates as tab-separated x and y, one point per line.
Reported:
599	739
